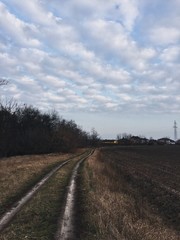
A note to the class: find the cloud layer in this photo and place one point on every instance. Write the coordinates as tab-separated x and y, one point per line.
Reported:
92	56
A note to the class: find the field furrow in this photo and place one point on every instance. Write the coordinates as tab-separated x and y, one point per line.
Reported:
129	197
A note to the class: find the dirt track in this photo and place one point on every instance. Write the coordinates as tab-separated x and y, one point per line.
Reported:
4	221
65	222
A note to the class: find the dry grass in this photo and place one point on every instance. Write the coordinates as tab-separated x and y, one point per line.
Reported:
116	206
19	173
39	218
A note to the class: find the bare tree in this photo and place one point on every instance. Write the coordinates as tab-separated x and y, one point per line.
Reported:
94	138
27	130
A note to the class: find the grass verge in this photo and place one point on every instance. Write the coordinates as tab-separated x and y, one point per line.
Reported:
19	174
38	219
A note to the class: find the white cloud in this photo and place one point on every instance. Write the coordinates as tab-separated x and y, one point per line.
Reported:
125	11
148	53
113	42
34	11
92	55
170	54
164	35
53	81
125	97
8	65
130	12
17	30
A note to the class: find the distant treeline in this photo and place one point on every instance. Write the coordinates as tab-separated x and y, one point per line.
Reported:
27	130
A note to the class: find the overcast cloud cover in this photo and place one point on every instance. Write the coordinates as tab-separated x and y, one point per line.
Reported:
113	65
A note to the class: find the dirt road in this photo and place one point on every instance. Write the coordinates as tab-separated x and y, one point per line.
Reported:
9	222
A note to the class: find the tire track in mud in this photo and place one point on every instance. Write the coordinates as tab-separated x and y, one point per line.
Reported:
66	225
9	215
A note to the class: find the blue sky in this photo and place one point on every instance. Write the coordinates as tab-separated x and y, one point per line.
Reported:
112	65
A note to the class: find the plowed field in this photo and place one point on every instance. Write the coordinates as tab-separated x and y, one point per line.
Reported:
134	193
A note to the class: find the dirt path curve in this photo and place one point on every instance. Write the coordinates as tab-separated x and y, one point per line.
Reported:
66	223
7	217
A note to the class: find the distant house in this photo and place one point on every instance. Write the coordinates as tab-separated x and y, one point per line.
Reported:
138	140
133	140
152	142
163	141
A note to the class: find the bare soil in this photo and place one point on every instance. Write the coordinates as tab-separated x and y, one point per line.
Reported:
132	193
153	172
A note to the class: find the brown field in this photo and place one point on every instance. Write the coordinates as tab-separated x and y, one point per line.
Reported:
132	193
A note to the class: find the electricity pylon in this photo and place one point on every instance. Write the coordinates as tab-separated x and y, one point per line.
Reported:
175	131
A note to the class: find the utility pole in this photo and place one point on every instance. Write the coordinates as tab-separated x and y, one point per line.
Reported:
175	131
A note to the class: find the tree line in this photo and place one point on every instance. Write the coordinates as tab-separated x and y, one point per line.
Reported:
26	130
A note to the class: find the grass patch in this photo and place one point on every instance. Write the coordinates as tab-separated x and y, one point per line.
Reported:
38	219
19	174
86	227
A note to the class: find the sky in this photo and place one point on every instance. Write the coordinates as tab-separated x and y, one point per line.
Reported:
109	65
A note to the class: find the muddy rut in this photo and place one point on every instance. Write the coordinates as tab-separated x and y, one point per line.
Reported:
65	226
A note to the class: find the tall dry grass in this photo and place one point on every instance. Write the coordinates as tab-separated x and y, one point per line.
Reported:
39	218
18	173
115	210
